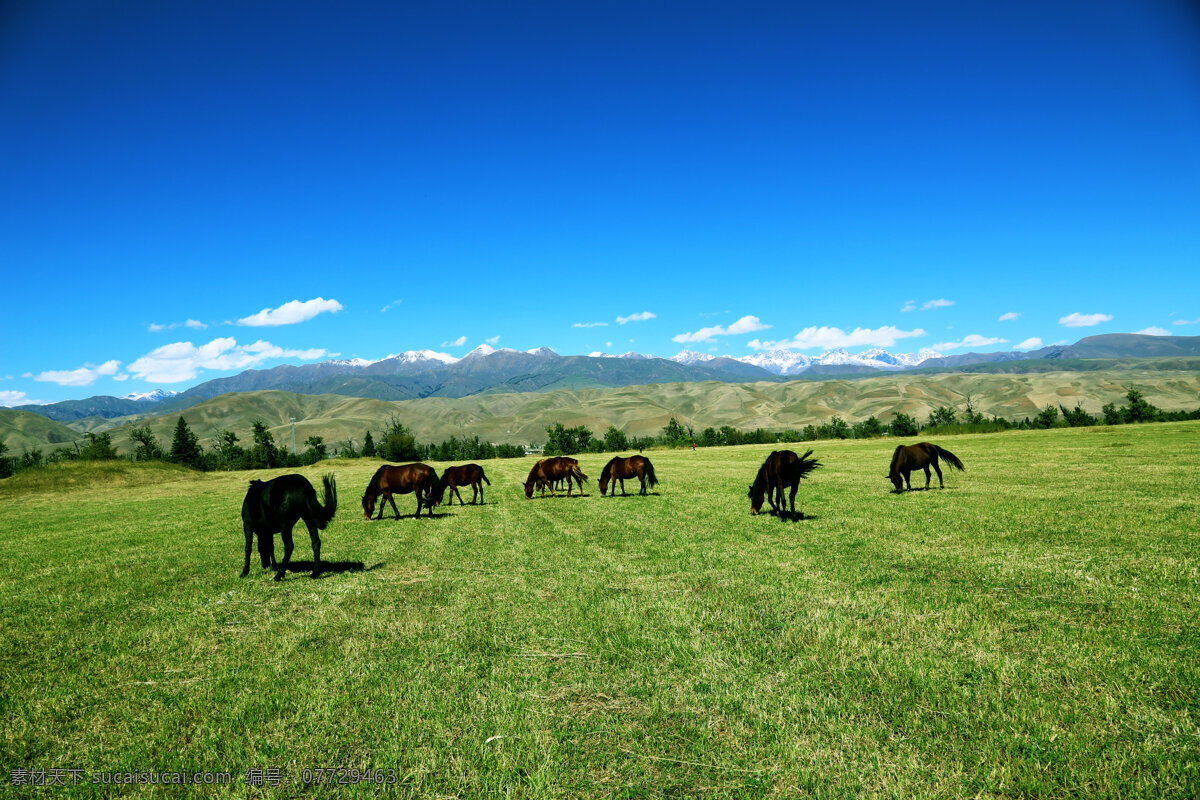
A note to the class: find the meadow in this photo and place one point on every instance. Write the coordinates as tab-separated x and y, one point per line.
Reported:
1029	631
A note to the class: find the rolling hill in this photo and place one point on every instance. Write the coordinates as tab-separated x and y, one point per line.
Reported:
522	417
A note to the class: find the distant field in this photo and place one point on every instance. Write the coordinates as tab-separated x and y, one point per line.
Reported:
642	410
1029	631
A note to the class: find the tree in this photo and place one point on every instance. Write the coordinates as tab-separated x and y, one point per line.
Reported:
316	448
98	448
615	440
1112	414
264	454
838	429
6	463
972	416
1046	417
228	454
148	448
1077	417
185	446
867	428
674	434
1139	410
903	425
943	415
368	448
398	443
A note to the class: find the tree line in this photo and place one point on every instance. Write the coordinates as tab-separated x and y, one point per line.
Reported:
227	452
397	443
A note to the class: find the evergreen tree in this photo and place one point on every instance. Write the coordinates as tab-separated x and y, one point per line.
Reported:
368	448
264	454
398	443
185	446
228	454
674	434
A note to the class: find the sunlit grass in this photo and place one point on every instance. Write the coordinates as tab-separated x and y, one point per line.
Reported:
1031	630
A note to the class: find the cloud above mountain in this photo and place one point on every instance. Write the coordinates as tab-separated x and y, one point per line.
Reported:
747	324
84	376
641	316
830	337
970	340
182	361
1077	320
291	312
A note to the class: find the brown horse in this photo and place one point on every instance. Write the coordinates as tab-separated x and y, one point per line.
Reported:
919	456
783	468
390	479
454	477
549	470
618	469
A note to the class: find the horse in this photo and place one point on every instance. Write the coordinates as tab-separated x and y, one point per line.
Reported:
466	475
920	456
391	479
618	469
275	506
549	470
783	468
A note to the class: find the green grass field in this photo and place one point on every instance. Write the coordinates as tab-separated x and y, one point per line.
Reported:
1030	631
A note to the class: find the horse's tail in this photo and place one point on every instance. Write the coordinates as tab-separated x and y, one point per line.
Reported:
806	465
651	478
951	459
325	512
485	480
578	473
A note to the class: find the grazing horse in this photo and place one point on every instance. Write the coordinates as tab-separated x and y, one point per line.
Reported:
391	479
275	506
783	468
618	469
549	470
454	477
919	456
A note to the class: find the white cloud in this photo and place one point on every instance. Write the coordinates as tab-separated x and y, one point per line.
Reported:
828	338
11	398
641	316
494	340
390	305
1032	343
939	303
909	305
1154	330
1078	320
195	324
589	324
459	342
608	344
1186	321
970	340
747	324
84	376
1010	316
291	312
181	361
124	376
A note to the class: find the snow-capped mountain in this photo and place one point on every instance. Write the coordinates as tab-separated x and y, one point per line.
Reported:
690	357
601	354
780	362
420	357
153	396
542	351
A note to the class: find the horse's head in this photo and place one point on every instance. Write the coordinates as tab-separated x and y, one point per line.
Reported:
528	485
604	484
896	480
437	491
368	505
756	498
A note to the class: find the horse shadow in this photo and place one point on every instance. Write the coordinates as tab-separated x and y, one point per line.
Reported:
635	494
794	516
441	515
334	567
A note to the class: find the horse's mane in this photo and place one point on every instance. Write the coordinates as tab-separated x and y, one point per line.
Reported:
374	483
609	466
897	461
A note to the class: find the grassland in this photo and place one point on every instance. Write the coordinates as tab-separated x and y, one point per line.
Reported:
641	410
1030	631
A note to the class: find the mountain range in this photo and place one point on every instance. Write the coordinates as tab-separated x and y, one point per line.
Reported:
487	370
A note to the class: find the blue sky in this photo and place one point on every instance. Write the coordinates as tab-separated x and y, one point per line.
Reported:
194	188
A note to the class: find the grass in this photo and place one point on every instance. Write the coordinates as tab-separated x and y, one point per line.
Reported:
1030	631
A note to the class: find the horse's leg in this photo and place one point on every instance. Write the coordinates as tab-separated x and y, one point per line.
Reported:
249	538
477	485
623	488
391	499
314	536
287	552
927	476
642	478
792	497
938	470
907	478
459	495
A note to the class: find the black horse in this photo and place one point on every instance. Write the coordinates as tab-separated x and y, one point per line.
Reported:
783	468
275	506
919	456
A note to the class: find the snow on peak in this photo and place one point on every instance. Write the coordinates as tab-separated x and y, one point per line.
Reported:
152	396
691	357
542	351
